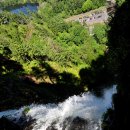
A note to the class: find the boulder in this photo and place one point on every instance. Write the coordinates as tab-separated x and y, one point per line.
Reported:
78	124
22	124
6	124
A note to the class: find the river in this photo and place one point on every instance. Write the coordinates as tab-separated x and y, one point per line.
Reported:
83	112
25	8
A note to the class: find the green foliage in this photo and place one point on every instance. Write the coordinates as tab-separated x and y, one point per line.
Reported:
88	5
6	18
98	3
47	37
57	24
76	34
100	33
26	110
70	7
92	4
120	2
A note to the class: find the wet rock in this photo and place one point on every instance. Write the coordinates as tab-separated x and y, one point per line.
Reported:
67	122
6	124
51	128
71	124
21	124
78	124
26	123
29	125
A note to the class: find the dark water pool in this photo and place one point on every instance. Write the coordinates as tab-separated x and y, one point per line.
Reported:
25	9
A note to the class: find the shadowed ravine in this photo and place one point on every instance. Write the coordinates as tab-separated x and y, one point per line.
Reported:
76	113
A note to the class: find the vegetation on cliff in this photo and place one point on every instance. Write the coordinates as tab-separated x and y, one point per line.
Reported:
45	36
42	49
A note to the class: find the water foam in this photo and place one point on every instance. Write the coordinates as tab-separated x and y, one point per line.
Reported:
87	106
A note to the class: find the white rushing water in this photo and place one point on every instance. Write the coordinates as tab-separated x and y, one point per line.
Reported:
86	107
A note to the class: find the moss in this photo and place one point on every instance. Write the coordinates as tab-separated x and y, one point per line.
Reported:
26	110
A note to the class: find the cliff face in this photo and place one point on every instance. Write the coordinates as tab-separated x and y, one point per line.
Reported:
119	62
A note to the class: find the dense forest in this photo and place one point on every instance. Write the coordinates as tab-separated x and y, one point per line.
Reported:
45	59
41	49
45	36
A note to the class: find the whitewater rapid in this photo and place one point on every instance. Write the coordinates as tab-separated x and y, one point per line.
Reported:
86	107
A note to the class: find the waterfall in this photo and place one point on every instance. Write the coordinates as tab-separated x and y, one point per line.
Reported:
82	112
